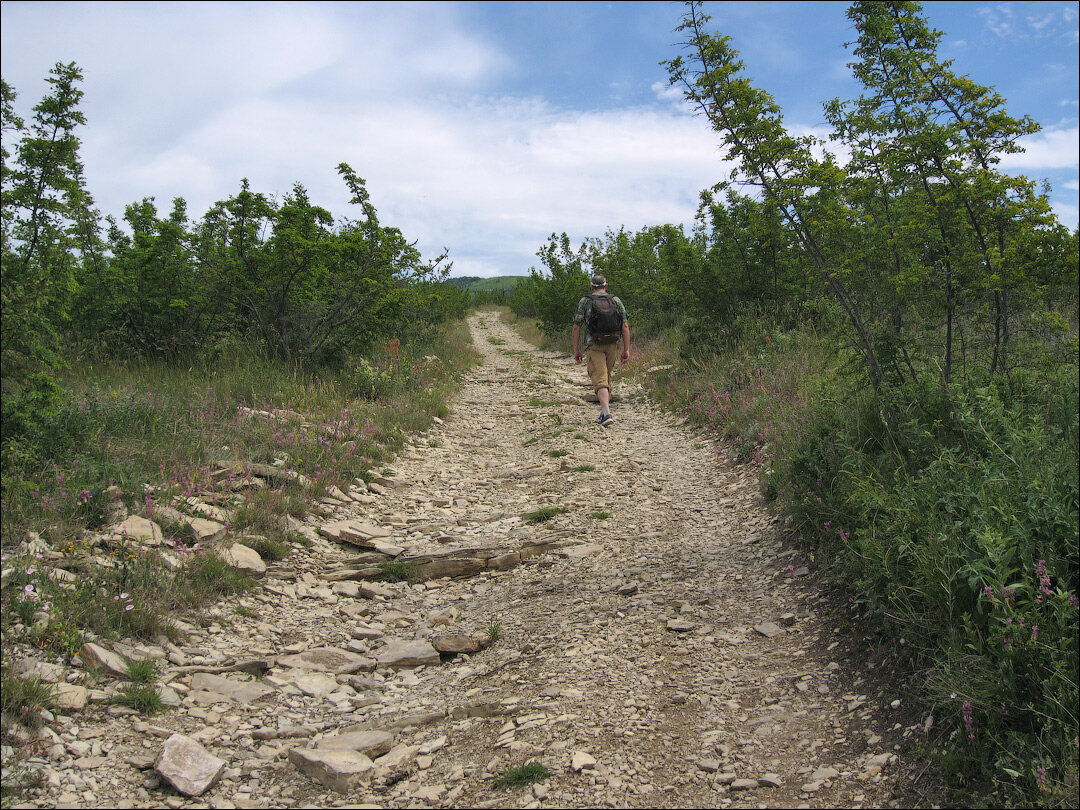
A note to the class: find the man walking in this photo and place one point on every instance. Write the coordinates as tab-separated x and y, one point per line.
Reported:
604	318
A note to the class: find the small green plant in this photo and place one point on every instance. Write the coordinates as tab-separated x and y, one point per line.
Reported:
143	697
533	440
494	630
268	548
585	468
536	402
544	513
209	575
395	571
601	515
581	436
522	775
496	341
558	453
245	612
142	671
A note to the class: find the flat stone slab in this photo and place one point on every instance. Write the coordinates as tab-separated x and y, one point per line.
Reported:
408	654
457	643
372	744
316	684
769	629
187	766
326	659
339	770
71	697
239	691
581	551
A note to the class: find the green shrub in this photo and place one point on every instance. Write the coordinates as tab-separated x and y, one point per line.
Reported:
954	518
522	775
544	513
394	571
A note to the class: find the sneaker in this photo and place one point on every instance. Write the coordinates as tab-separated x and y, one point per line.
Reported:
605	419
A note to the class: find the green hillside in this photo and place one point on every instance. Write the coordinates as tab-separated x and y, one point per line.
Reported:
478	284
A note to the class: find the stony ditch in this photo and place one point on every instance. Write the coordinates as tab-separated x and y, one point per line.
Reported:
654	643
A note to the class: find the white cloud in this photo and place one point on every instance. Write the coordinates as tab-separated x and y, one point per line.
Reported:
1072	185
1049	149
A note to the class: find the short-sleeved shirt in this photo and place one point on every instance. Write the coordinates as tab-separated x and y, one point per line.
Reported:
584	309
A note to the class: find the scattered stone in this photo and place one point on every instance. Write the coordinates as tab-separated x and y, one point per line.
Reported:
187	766
709	765
768	629
770	780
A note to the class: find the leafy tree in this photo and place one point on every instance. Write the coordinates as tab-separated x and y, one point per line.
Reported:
804	190
551	299
49	225
944	224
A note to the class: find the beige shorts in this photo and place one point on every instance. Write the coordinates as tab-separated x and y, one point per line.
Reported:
600	360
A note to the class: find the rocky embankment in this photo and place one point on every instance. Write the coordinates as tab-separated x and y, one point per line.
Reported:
653	643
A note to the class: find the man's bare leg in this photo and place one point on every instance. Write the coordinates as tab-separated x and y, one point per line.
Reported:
604	396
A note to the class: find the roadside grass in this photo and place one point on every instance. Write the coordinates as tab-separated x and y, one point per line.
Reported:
22	699
535	402
157	433
558	453
600	515
585	468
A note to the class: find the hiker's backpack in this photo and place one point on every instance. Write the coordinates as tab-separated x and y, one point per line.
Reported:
605	319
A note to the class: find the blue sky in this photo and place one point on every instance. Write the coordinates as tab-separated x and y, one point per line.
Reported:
481	127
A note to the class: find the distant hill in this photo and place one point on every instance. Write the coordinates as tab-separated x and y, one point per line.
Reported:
478	284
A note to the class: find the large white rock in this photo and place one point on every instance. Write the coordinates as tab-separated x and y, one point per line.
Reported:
96	657
71	697
187	766
340	770
408	654
139	529
369	743
244	559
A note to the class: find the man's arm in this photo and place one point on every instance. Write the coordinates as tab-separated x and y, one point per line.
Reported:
576	336
625	341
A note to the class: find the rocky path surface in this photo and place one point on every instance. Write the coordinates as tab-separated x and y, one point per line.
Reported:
653	645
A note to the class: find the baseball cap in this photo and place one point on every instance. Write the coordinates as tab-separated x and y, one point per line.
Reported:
599	281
